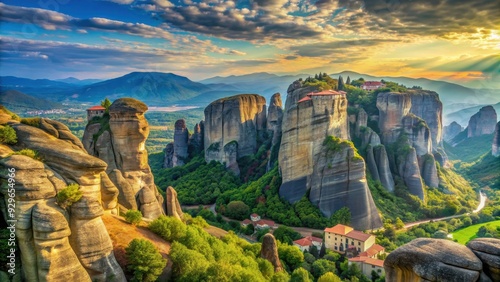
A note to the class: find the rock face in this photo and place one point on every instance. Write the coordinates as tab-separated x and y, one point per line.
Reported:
172	205
427	259
58	244
122	147
196	139
234	127
181	137
483	122
275	117
306	163
269	251
452	130
495	147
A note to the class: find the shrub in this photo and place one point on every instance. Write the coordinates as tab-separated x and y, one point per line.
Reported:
7	135
329	277
29	153
237	210
69	195
144	260
31	121
133	217
169	228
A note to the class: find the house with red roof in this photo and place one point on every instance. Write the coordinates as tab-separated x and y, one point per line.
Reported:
372	85
367	265
264	223
95	111
255	217
339	237
307	242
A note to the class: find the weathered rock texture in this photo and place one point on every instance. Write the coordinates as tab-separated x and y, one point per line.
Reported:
495	147
427	259
275	117
122	147
234	127
305	163
57	245
172	205
269	251
482	122
416	114
181	138
452	130
196	139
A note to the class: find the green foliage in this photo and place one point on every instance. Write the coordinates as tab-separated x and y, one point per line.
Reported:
237	210
290	255
286	234
106	103
104	122
7	135
470	149
144	260
169	228
321	267
329	277
133	217
6	111
301	275
69	195
31	121
321	82
266	268
28	153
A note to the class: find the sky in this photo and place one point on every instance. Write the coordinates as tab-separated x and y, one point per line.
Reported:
456	41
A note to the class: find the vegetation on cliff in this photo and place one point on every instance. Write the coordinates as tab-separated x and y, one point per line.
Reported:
69	195
144	260
7	135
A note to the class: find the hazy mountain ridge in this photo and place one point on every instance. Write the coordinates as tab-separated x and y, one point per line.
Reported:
18	101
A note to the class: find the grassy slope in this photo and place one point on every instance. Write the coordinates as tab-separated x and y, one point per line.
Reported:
464	235
470	149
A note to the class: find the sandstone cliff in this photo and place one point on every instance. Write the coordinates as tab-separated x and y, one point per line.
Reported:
452	130
483	122
234	127
275	117
181	138
495	147
306	163
60	244
172	205
427	259
269	251
119	140
185	145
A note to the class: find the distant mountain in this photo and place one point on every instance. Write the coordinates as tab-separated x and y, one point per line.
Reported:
76	81
19	102
449	93
462	116
153	88
40	88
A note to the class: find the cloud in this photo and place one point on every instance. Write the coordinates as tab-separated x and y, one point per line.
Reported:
123	2
51	20
485	64
321	49
236	52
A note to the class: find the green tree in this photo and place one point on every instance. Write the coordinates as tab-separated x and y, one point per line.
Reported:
7	135
281	276
169	228
237	210
341	83
329	277
286	234
348	81
322	266
399	223
69	195
133	217
301	275
291	255
266	267
144	260
250	229
106	104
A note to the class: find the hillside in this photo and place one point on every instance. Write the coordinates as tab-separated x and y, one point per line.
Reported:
150	87
462	116
20	102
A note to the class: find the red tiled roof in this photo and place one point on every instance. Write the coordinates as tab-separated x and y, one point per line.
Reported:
254	215
264	222
373	250
246	221
358	259
96	108
376	262
324	93
358	235
339	229
315	239
304	242
307	98
372	83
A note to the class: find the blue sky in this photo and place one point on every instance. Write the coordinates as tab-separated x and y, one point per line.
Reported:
457	41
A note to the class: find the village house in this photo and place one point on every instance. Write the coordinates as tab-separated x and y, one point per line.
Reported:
306	243
95	111
255	217
367	265
372	85
257	222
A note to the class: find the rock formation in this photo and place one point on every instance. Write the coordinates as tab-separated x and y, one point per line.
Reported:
306	162
181	138
452	130
196	139
172	205
120	142
275	117
269	251
361	120
376	157
234	127
495	147
426	259
57	245
383	168
482	122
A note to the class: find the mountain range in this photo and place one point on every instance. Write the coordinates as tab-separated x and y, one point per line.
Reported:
18	101
163	89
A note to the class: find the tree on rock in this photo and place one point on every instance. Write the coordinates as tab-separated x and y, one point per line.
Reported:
69	195
106	104
144	260
133	217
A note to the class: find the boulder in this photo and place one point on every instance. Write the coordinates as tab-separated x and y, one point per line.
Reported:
495	147
488	251
426	259
483	122
172	205
269	251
